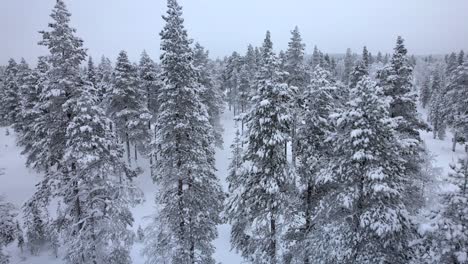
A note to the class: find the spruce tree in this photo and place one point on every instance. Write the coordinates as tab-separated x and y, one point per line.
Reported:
128	106
318	101
7	227
97	187
363	218
148	81
366	57
104	80
297	78
91	74
456	91
425	93
255	207
189	196
211	95
348	66
10	106
437	114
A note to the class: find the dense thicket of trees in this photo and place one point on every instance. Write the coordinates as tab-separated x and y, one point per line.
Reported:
327	166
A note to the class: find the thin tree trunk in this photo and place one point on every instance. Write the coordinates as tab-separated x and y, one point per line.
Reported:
136	153
272	240
127	141
454	142
308	219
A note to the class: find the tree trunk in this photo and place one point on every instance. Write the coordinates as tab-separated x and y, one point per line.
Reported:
308	220
454	142
127	141
272	240
136	153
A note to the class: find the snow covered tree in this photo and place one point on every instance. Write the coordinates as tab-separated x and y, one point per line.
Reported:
437	114
10	106
425	92
149	83
316	58
461	57
96	186
362	217
91	72
366	57
297	78
456	91
231	80
256	205
359	71
211	95
313	153
61	78
189	197
454	228
128	106
35	223
104	79
7	227
348	66
19	236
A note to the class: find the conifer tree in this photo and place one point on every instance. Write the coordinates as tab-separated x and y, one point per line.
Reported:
425	93
19	236
7	227
35	223
97	187
148	80
91	74
10	106
256	205
189	196
366	57
461	57
297	78
128	106
456	91
348	66
211	95
359	72
437	114
363	218
318	102
104	80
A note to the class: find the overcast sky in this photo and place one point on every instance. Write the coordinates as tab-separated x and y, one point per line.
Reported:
222	26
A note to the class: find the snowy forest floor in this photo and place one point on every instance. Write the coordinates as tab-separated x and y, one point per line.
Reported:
18	185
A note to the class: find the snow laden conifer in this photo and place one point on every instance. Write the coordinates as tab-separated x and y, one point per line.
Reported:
362	218
457	93
211	95
318	101
256	206
7	227
437	112
104	80
128	106
189	197
297	77
149	83
62	76
453	227
425	92
96	186
10	106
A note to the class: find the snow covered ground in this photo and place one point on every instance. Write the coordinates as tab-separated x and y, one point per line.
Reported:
18	184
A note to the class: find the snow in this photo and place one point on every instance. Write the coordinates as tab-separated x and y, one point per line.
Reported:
18	184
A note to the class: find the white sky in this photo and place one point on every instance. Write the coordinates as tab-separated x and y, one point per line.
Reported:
222	26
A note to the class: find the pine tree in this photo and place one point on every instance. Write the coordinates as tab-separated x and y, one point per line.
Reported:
255	207
297	78
456	91
96	186
437	115
451	245
348	66
211	95
425	92
316	58
190	197
10	106
104	80
35	223
360	71
452	63
91	74
19	236
313	154
461	58
61	78
148	79
366	57
7	227
362	218
379	57
127	105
